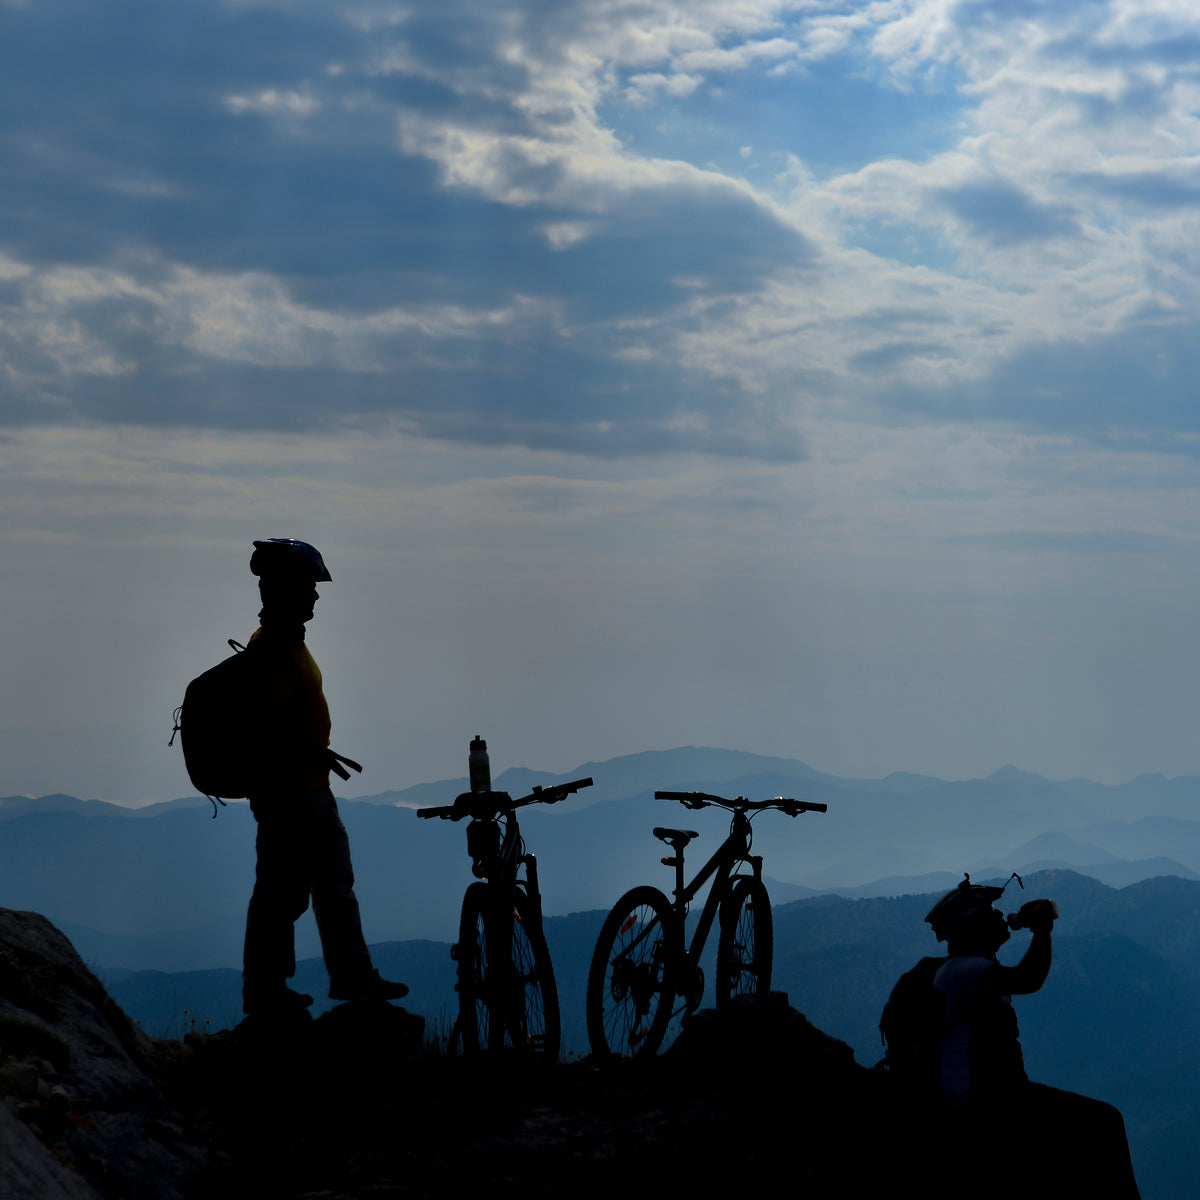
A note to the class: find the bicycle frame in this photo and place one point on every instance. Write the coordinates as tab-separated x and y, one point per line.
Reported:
504	969
502	877
501	871
733	850
642	960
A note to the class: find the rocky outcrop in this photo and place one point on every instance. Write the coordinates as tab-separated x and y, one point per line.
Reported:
81	1117
357	1106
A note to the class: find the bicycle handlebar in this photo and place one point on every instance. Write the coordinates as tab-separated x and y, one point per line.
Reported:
492	804
554	793
793	808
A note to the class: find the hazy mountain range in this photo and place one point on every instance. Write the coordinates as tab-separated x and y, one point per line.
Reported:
166	886
156	898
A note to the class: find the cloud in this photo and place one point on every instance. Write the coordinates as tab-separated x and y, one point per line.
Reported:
1050	541
311	221
530	224
193	349
1139	380
887	356
1006	216
1150	189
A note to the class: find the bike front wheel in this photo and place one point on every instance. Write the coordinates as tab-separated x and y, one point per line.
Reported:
746	946
507	997
630	991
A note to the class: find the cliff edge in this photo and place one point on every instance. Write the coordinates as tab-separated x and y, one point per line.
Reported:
357	1104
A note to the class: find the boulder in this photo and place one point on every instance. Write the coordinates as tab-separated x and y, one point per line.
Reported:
81	1115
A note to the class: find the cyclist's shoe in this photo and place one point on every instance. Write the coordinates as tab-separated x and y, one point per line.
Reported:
371	986
273	1000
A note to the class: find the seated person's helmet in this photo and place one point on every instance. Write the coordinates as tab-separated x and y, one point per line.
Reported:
955	912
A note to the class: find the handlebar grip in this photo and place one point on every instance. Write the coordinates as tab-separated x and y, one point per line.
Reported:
552	794
567	789
694	799
445	811
811	806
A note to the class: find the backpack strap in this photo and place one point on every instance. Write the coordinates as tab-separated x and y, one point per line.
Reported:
337	762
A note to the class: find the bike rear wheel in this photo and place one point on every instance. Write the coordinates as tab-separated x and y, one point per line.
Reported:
507	997
630	992
746	946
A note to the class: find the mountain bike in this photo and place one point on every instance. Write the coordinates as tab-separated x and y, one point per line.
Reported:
507	998
641	963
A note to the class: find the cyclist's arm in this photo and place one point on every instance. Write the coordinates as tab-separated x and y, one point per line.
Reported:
1030	973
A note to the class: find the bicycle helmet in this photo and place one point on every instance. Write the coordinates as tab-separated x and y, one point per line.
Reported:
957	911
287	556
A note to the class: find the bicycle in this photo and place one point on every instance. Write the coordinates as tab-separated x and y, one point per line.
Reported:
641	962
507	998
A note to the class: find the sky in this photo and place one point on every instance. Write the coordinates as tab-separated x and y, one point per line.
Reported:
815	379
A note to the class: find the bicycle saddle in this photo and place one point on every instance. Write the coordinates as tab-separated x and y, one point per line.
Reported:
674	837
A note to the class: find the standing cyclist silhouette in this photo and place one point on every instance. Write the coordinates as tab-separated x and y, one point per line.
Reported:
302	846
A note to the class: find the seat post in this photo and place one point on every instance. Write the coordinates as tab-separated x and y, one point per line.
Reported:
675	859
677	839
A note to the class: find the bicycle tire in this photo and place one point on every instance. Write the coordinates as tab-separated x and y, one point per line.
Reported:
528	1023
540	1030
747	943
630	989
472	950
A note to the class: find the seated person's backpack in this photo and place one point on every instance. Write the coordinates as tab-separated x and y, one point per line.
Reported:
912	1027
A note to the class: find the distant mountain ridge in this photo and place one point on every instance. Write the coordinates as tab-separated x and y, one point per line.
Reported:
620	777
166	886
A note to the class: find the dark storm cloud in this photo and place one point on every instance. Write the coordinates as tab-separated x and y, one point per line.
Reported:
1004	215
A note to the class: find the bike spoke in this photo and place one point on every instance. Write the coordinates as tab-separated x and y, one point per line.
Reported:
628	994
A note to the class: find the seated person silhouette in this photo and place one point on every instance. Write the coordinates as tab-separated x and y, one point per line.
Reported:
302	846
953	1040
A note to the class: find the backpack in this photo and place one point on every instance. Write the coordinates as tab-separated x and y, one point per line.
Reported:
227	719
219	726
911	1028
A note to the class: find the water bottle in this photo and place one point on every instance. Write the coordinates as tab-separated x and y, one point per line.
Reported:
478	767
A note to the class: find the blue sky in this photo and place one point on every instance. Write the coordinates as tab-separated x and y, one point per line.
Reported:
811	378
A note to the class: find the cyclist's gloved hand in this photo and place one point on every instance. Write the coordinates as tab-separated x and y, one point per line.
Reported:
1037	915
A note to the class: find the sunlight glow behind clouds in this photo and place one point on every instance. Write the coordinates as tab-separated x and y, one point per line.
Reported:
872	306
504	105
